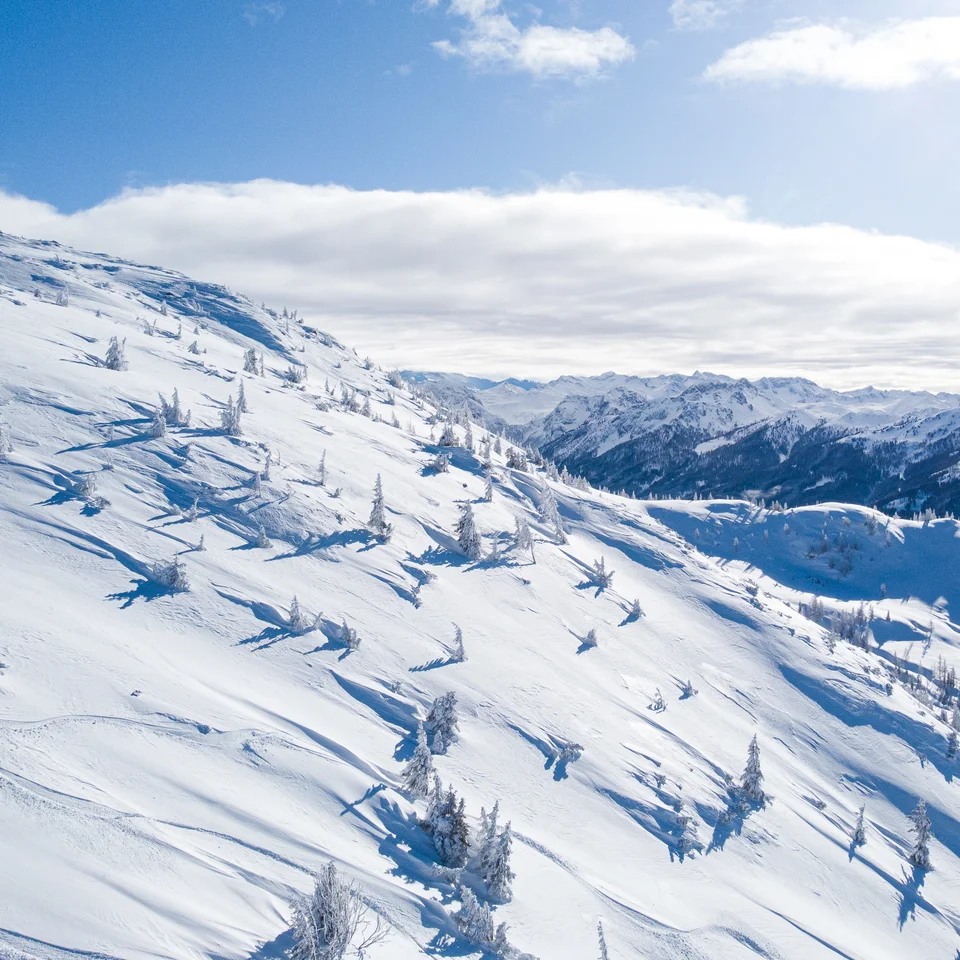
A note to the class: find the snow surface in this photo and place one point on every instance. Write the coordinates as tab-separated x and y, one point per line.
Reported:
173	766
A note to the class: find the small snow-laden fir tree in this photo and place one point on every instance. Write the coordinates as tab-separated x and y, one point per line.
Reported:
474	919
487	839
550	515
440	463
523	538
590	640
6	441
498	876
378	522
172	575
366	410
242	399
349	636
636	611
443	723
467	535
297	619
116	355
158	428
689	690
327	923
488	487
751	783
418	774
263	542
599	575
468	437
922	834
859	836
658	706
604	955
322	469
459	655
194	510
689	838
497	446
953	744
230	418
447	825
194	348
250	363
163	308
449	437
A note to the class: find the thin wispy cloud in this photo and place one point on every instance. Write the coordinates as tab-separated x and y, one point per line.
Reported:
702	14
492	40
553	281
253	13
891	56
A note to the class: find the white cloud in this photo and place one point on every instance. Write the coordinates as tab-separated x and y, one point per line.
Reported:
701	14
889	57
253	13
492	40
554	281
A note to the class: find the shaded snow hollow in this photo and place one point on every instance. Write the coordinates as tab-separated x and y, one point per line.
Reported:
174	765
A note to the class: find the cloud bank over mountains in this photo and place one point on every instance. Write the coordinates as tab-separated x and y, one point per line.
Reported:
558	280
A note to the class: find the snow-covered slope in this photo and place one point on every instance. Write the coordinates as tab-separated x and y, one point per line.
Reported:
173	765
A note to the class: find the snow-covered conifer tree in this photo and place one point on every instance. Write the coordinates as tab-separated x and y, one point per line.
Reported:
442	722
859	836
523	537
474	919
230	418
263	542
297	620
440	463
488	487
418	774
349	636
590	640
459	654
115	358
242	399
604	955
172	575
378	522
498	875
467	534
751	783
322	469
550	515
250	364
468	437
953	743
922	834
158	428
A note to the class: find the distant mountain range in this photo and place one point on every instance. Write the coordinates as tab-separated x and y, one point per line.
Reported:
783	438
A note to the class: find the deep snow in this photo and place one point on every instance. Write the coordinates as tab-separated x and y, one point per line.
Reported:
173	765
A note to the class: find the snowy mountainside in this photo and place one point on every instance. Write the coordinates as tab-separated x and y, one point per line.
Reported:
780	438
175	764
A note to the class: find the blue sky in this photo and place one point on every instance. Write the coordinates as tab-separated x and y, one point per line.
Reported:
103	94
750	186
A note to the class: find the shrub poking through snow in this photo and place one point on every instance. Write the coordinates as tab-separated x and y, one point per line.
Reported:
327	922
172	575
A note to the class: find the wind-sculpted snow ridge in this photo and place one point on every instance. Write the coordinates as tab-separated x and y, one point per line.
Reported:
188	735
